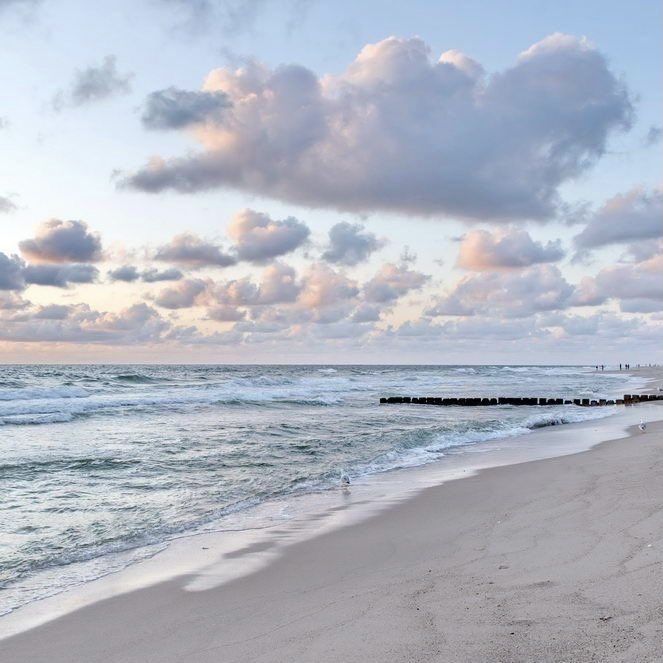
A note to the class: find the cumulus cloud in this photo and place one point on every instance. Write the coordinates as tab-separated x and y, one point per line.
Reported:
350	245
156	275
60	276
94	84
391	282
259	238
11	273
506	294
62	241
192	251
401	131
126	273
226	313
182	295
139	323
635	215
130	273
173	108
481	250
324	286
278	284
638	287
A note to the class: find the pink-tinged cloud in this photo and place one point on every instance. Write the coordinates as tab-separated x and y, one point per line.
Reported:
259	238
59	241
512	294
512	248
402	131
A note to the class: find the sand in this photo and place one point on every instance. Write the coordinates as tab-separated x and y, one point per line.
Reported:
552	560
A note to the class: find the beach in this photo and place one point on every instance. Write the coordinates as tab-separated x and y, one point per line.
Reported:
556	559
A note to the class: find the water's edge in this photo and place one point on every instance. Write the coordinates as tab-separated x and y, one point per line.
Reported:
211	558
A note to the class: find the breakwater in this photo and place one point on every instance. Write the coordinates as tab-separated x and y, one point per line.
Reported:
629	399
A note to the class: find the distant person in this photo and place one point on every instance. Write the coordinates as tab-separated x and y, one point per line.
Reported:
620	367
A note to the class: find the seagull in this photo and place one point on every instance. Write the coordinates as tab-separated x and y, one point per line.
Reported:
642	426
345	480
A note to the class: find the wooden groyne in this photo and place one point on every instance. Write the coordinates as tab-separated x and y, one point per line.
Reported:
629	399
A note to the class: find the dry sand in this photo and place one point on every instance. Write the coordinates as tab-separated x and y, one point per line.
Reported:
552	560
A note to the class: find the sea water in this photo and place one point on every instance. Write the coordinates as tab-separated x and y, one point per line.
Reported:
101	466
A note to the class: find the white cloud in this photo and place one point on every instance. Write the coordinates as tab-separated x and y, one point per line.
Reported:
192	251
481	250
59	241
93	84
349	244
258	238
392	282
506	294
401	131
634	215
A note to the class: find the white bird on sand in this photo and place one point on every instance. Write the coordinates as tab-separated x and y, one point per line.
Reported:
642	425
345	479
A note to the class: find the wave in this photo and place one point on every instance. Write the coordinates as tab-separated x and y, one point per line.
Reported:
41	393
59	410
136	378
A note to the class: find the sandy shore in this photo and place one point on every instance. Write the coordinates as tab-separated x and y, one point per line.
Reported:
552	560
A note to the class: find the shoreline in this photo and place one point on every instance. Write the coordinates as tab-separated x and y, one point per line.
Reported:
303	515
348	592
251	552
310	515
206	582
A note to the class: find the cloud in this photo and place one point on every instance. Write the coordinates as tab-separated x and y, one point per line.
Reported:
11	273
401	132
60	276
634	215
190	250
506	294
638	287
10	301
231	16
155	275
391	282
126	273
481	250
259	238
349	245
225	313
6	205
182	295
136	324
173	108
62	241
366	313
94	84
278	284
130	273
325	287
52	312
24	8
653	136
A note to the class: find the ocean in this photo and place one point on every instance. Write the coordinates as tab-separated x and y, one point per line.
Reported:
101	466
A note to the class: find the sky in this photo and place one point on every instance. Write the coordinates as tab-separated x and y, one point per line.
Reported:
299	181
